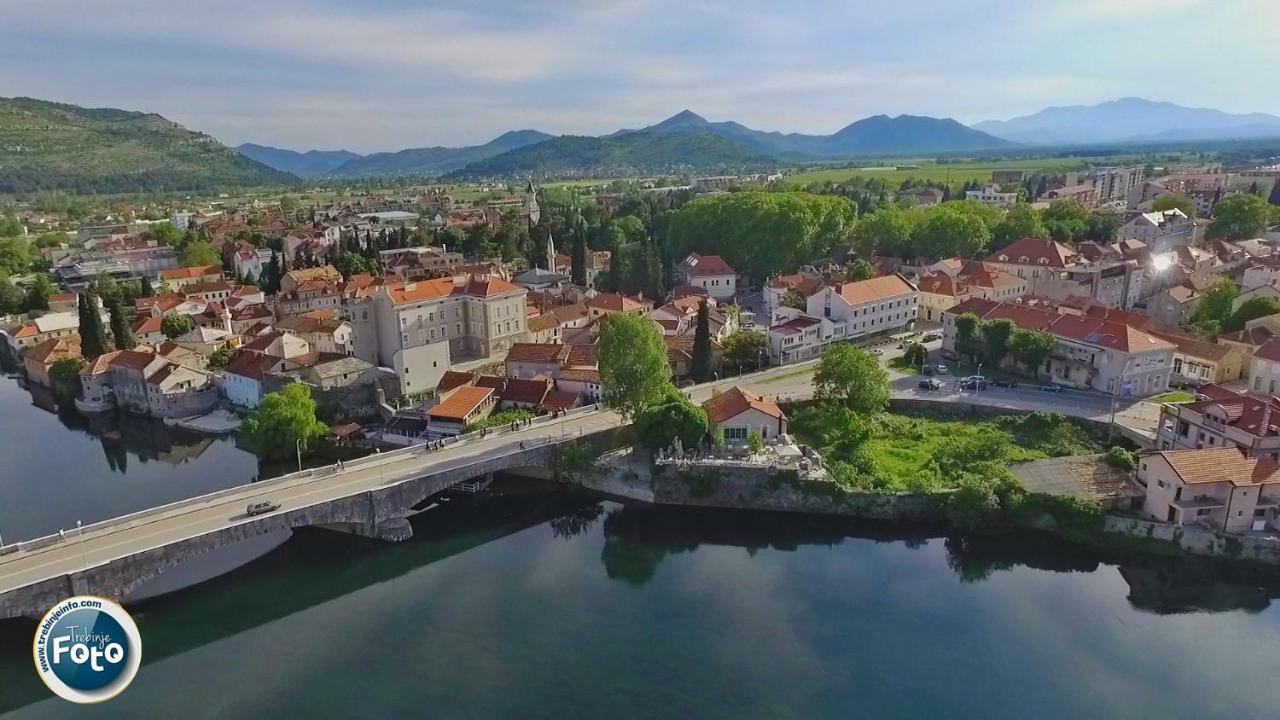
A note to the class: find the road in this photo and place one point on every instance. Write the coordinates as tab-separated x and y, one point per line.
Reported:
113	539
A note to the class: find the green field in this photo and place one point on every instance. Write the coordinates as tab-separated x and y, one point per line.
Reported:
956	173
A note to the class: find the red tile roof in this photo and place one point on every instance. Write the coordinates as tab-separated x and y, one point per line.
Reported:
525	391
250	364
535	352
190	272
735	401
874	290
1214	465
696	265
460	403
1034	251
452	379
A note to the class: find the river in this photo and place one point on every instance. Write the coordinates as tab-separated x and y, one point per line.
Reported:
539	603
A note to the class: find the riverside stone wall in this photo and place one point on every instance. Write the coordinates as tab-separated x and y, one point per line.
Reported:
757	487
1198	541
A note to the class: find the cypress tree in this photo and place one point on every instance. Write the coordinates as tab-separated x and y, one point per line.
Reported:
93	335
144	288
579	267
702	345
271	275
650	272
120	330
1274	198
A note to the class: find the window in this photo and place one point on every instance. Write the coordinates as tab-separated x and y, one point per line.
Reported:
735	433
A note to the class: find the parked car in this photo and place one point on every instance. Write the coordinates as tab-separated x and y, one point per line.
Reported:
1051	388
942	370
930	384
1004	383
930	337
261	508
973	382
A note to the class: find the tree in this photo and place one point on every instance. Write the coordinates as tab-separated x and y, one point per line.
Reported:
199	253
967	341
793	298
176	325
220	358
853	377
761	233
1251	309
12	299
93	335
270	280
886	231
121	333
144	288
995	339
1031	348
1021	221
15	255
39	292
745	347
860	270
164	233
755	443
1065	220
673	416
1239	217
915	354
648	272
284	423
578	267
64	376
1175	201
1214	310
1274	197
633	363
952	232
701	367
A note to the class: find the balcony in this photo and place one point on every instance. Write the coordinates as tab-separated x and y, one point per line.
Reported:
1199	502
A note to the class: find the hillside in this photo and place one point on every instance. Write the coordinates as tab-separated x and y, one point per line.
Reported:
621	154
877	135
312	163
436	160
1130	120
46	145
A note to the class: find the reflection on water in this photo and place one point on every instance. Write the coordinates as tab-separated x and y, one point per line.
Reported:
547	604
60	466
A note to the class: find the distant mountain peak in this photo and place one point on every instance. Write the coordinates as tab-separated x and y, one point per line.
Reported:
687	118
1130	119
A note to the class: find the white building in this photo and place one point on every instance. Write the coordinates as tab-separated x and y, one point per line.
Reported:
991	195
886	304
1160	230
709	272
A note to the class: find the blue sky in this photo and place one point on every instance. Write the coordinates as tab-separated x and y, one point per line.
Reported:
389	74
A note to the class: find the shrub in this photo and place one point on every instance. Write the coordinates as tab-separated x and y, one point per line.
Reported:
755	443
974	505
1121	459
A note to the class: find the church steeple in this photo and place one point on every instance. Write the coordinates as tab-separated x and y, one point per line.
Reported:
551	253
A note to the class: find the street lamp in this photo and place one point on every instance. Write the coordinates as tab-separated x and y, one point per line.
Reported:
83	555
297	444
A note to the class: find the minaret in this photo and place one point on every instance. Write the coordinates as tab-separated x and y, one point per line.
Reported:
551	253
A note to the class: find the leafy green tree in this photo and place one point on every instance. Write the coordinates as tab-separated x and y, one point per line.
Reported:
176	325
220	358
1031	348
631	228
852	377
39	292
270	280
199	253
950	232
755	443
64	376
1175	201
454	239
144	288
633	363
1239	217
674	415
761	233
93	334
15	255
995	340
973	505
12	298
886	231
285	421
1065	220
165	233
860	270
967	339
1251	309
915	354
794	299
10	227
121	333
1021	221
701	366
745	347
649	272
1214	310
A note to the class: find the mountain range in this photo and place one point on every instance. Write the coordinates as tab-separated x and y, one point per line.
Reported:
1132	120
312	163
46	145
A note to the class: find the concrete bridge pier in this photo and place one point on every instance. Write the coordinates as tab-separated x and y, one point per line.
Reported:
396	529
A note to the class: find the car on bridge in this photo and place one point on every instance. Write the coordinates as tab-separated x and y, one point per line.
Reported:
261	508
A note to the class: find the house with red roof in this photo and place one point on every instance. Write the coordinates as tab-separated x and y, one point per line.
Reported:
738	413
943	289
709	272
1222	417
881	305
1056	271
419	328
1217	488
1091	352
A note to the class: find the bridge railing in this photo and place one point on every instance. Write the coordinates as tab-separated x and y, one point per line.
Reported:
368	461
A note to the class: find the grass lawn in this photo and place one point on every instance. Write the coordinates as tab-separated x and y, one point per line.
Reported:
904	446
900	365
789	375
1174	396
955	173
